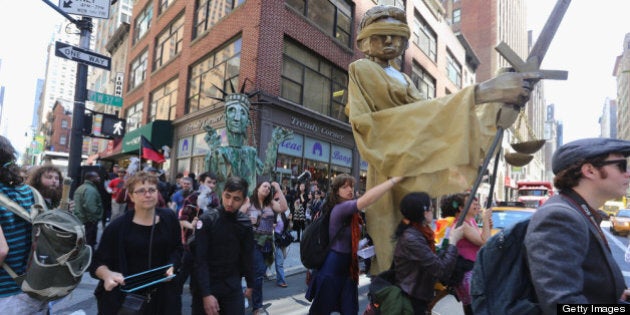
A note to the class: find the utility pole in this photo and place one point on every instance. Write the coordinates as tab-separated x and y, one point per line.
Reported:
78	111
80	91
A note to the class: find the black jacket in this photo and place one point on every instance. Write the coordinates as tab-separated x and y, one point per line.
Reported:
114	252
224	244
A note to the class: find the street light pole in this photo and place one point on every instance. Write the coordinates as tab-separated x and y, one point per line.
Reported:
78	112
80	95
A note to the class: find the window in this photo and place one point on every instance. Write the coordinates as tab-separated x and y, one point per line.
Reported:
208	13
423	81
215	70
134	116
424	37
64	124
163	102
63	140
138	71
143	23
163	5
453	70
314	82
334	17
457	16
169	43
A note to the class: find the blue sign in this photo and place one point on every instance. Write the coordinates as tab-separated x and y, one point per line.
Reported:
292	147
184	147
363	165
316	150
341	156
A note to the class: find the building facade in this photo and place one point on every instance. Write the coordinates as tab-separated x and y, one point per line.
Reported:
183	55
621	71
486	23
57	128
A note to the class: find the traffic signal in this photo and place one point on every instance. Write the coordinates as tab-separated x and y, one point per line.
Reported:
101	125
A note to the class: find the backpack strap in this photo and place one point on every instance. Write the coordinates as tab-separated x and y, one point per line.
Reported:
38	207
40	203
14	207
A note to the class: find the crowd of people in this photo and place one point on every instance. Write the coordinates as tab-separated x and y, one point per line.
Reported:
216	241
216	234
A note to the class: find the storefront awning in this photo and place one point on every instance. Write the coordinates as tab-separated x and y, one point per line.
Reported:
159	133
112	152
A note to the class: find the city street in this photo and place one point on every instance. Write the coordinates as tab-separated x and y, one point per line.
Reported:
277	300
290	300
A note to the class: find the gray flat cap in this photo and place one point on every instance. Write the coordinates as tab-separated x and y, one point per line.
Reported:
574	151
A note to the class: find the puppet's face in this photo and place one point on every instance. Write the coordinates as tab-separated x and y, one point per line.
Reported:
237	118
385	47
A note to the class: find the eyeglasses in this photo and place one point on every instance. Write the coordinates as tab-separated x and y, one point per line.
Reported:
621	164
143	191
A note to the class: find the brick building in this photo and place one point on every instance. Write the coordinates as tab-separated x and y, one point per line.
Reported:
58	128
294	53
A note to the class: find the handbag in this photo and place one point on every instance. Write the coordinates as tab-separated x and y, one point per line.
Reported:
386	297
134	304
283	239
462	265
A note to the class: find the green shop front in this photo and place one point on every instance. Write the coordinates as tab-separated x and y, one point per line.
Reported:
158	132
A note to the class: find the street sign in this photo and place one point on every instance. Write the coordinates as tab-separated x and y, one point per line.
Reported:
93	8
91	58
104	98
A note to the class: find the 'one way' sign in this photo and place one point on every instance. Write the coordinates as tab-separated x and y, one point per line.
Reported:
91	58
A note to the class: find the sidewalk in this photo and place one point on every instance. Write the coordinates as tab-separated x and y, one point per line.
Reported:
292	263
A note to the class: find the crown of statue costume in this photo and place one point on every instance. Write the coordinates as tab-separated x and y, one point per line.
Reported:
240	98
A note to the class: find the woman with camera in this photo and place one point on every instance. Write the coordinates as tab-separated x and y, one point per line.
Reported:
261	210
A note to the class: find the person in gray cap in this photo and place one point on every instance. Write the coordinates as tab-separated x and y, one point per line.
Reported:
568	255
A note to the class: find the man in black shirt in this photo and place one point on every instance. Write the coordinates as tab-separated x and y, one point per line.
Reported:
224	243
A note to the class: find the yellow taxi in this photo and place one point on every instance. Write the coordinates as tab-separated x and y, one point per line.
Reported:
507	213
620	222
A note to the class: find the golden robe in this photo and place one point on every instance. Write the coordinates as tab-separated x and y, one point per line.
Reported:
438	145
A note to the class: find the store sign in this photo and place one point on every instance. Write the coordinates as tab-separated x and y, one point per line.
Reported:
341	156
316	150
363	165
197	125
118	85
292	147
184	147
311	127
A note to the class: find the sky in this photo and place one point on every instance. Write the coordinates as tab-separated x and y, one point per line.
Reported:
587	43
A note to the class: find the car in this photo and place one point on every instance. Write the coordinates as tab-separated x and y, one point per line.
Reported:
507	213
620	222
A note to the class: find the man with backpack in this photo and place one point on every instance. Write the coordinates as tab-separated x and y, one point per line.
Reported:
569	258
15	235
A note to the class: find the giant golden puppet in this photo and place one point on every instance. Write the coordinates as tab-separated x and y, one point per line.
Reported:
438	144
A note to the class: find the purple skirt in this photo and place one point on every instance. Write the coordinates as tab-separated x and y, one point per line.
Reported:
332	289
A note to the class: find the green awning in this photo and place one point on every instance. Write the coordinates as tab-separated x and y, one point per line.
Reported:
158	132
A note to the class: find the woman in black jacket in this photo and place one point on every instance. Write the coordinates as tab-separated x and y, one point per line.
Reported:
142	239
416	263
